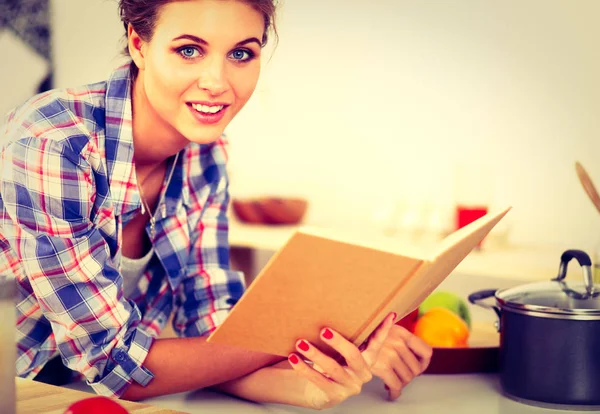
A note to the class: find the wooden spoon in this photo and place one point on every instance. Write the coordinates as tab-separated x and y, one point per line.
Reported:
588	186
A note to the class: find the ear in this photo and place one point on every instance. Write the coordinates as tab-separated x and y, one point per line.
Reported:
136	47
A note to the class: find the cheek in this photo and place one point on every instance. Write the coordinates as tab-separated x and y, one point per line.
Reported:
165	83
243	82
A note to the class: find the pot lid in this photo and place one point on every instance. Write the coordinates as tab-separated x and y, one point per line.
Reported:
556	296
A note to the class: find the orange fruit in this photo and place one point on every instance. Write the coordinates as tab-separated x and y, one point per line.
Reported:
442	328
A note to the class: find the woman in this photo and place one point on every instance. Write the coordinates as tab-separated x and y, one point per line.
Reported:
113	218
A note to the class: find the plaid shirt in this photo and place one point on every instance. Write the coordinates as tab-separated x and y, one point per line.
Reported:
68	187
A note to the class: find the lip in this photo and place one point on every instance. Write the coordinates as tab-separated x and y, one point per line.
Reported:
208	103
208	119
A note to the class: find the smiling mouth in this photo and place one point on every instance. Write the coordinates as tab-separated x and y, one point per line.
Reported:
207	109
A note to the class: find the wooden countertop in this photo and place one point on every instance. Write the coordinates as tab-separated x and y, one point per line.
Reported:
38	398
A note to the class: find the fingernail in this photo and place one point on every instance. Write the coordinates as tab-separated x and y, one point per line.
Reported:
303	346
293	359
327	334
395	316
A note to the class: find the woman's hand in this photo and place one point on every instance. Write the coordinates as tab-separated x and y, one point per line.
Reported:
403	357
329	382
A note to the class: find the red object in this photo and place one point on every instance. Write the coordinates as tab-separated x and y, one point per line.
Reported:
303	346
293	359
408	322
327	334
468	214
96	405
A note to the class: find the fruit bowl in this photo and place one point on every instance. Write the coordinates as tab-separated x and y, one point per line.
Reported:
270	210
481	355
460	345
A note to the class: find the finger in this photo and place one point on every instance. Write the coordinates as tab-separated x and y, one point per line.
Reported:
403	371
393	384
393	394
378	339
422	349
392	358
319	369
330	368
310	374
354	358
409	358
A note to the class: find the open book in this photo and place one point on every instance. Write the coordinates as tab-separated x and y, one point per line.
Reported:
317	280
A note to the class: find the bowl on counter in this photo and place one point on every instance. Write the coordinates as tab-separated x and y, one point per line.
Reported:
270	210
480	356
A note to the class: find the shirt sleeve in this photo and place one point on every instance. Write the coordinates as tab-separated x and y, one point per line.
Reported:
59	237
210	288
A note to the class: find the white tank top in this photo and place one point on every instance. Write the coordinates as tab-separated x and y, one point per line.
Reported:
132	271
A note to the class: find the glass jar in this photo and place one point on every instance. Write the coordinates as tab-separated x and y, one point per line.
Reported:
7	345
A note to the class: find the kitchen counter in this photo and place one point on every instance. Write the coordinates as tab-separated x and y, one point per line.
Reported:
35	397
475	393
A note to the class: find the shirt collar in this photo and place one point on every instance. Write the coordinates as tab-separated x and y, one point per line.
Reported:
119	150
119	141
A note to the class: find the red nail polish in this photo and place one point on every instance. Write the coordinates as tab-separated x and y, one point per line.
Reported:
327	334
293	359
303	346
395	316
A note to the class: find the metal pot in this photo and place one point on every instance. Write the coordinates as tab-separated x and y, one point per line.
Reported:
550	338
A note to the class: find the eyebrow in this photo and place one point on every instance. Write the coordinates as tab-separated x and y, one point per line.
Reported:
204	42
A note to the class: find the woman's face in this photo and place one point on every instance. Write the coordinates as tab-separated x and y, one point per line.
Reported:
201	65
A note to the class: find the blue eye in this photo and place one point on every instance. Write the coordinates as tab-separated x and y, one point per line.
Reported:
242	55
189	52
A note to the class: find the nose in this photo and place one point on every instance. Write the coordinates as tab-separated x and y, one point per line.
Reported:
212	77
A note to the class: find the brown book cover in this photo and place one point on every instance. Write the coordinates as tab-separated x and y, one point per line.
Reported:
319	279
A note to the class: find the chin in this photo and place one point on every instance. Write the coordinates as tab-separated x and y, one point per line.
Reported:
204	136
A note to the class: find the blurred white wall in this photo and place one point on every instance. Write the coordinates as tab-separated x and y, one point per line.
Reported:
21	72
366	105
87	39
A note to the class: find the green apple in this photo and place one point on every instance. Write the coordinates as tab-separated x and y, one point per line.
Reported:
448	300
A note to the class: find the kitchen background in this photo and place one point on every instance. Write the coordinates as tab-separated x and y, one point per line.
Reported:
386	114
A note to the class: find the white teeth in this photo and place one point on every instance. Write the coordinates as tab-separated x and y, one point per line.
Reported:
207	109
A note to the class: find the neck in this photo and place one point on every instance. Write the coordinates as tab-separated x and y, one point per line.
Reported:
149	129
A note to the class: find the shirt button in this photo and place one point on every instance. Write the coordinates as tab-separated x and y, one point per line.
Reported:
120	357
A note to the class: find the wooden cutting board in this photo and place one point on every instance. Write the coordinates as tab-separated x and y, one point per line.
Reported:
34	397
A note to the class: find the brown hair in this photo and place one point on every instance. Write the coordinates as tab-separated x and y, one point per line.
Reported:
142	15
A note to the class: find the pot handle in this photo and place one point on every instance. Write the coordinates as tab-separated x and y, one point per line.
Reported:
476	298
584	261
